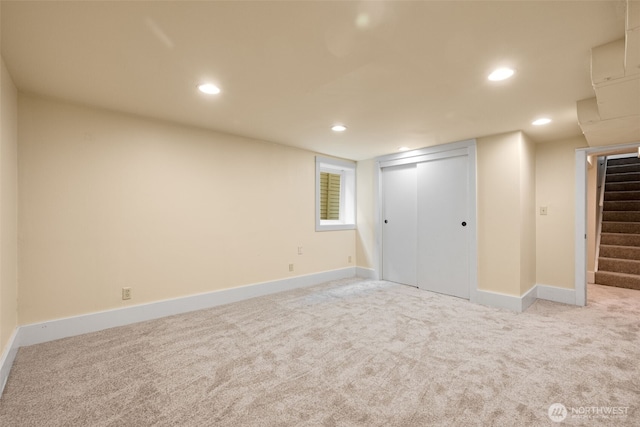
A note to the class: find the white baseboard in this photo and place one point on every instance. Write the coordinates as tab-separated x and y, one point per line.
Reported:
366	273
529	298
93	322
554	293
6	361
521	303
510	302
591	277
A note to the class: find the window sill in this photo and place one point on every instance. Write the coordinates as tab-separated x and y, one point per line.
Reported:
335	226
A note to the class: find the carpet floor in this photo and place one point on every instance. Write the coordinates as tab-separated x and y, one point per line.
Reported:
347	353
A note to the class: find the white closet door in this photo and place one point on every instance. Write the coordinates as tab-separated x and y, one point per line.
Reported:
400	216
443	232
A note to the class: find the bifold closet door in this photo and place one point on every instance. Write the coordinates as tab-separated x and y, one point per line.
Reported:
443	216
400	216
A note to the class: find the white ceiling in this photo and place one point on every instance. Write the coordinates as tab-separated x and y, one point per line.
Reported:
396	73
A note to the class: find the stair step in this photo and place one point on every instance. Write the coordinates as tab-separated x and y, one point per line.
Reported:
621	280
620	239
618	265
619	258
622	205
621	227
623	161
621	195
622	186
621	252
619	177
621	216
629	167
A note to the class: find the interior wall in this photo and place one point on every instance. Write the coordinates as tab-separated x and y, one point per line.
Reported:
555	189
109	200
527	213
499	208
8	208
365	204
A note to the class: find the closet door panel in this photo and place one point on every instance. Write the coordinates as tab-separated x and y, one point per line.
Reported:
399	228
443	235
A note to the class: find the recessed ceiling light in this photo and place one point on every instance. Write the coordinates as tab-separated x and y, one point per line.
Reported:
403	148
209	89
501	74
338	128
363	21
540	122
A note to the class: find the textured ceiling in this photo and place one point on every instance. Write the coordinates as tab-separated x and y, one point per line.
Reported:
395	73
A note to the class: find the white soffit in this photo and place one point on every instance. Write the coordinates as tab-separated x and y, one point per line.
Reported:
632	57
613	116
610	132
607	62
620	98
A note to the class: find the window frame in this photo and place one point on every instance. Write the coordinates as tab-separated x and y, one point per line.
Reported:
347	171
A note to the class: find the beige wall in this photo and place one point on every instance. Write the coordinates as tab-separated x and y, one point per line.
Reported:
8	208
527	214
499	209
506	213
109	200
555	188
365	244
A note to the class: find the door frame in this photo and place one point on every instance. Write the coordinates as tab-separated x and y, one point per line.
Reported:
460	148
580	233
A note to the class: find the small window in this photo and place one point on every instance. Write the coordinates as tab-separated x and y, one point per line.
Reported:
335	194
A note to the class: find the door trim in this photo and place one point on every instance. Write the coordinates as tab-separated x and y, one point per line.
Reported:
460	148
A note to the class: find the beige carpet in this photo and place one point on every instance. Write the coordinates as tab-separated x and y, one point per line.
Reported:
348	353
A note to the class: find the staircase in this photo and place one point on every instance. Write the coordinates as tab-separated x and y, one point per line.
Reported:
619	257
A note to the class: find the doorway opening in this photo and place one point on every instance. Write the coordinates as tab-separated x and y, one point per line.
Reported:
591	208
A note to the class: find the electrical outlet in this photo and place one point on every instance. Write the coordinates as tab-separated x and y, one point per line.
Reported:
290	267
126	293
349	258
299	250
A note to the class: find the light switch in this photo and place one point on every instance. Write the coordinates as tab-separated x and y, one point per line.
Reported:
543	210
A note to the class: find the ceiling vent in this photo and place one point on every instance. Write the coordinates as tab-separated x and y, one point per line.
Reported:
613	116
